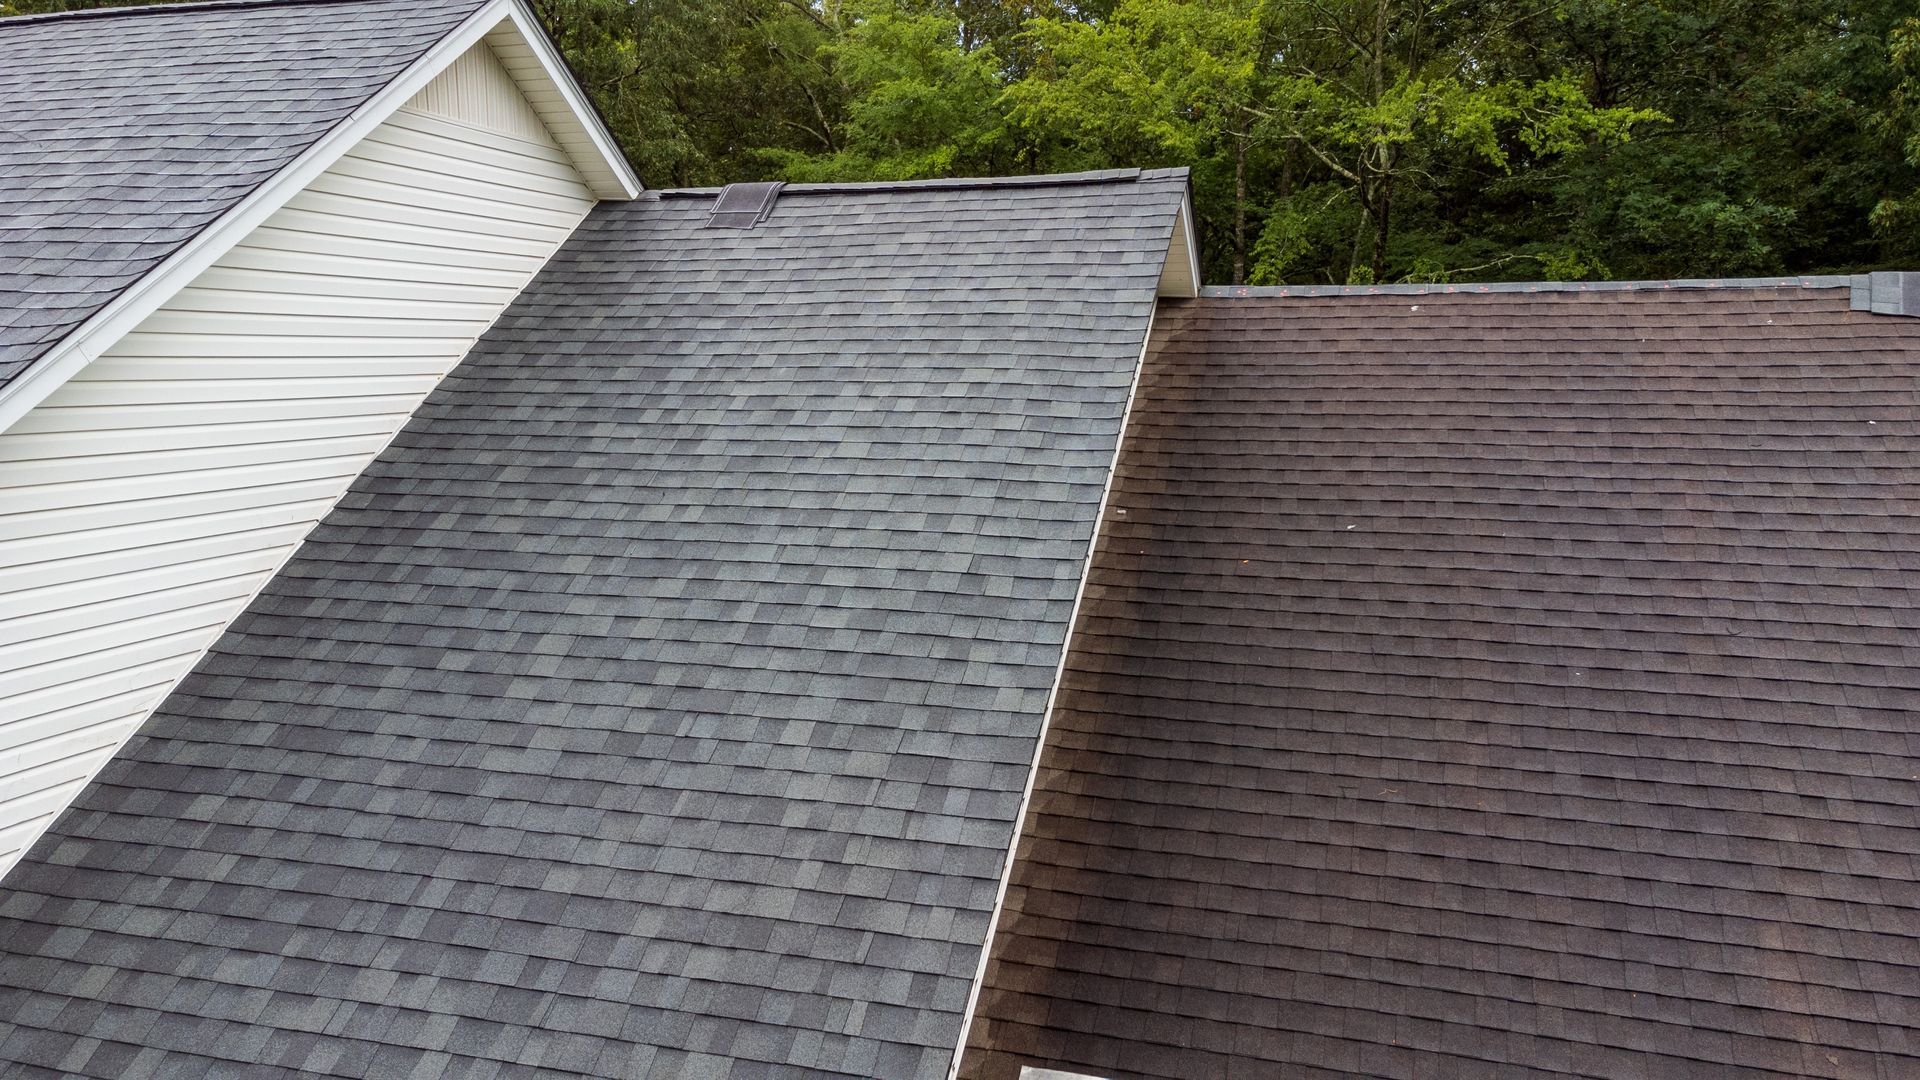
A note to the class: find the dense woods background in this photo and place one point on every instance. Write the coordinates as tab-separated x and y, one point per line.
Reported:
1331	140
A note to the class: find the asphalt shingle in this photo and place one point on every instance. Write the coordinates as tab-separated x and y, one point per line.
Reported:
123	136
1489	685
660	702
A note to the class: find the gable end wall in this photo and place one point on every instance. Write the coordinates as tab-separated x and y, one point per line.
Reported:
145	502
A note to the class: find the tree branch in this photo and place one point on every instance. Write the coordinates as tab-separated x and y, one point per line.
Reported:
1294	133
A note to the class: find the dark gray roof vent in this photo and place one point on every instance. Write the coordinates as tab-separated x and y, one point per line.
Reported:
742	206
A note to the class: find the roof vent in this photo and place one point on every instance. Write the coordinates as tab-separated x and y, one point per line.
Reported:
1887	293
742	206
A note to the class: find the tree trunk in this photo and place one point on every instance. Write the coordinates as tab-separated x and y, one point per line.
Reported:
1240	210
1360	233
1380	205
1382	219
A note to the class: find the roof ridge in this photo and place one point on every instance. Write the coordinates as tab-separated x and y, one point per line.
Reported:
194	7
965	183
1883	292
1805	281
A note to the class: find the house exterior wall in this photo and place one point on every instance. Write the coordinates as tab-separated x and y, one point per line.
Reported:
144	502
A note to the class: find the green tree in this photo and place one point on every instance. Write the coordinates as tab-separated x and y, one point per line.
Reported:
1160	82
1330	140
1896	216
923	99
1778	150
697	90
1387	94
1375	95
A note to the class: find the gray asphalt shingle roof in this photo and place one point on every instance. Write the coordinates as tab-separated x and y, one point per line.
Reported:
123	136
661	701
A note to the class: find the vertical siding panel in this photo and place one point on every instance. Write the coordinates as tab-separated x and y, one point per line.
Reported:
467	92
143	503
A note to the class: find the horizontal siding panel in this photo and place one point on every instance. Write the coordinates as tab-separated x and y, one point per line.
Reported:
468	309
371	227
14	841
82	476
454	138
160	391
450	216
146	681
391	248
79	446
403	189
84	746
334	347
40	533
150	416
190	634
91	479
407	150
355	278
359	168
20	737
183	495
20	662
228	368
65	608
102	554
389	269
179	322
47	789
36	777
144	502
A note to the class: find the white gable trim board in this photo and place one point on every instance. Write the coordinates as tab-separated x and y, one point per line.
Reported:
155	486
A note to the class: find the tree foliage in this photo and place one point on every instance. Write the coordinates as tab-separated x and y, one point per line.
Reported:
918	104
1330	140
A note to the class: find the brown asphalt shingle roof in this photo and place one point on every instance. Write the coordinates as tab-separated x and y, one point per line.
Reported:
1489	686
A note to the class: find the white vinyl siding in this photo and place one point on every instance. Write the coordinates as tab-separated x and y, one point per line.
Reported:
144	502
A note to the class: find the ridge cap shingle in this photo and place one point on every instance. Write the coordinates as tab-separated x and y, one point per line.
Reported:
1805	281
956	183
